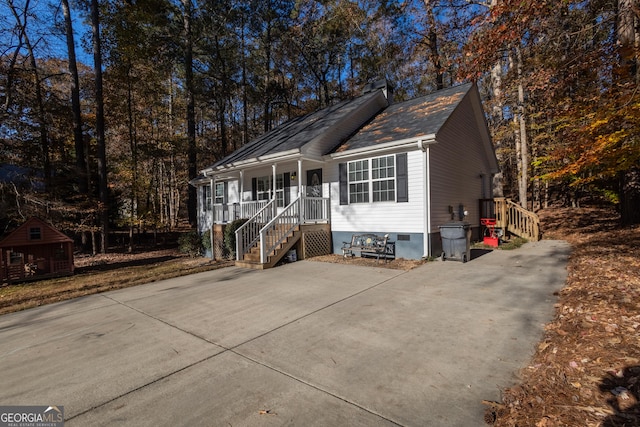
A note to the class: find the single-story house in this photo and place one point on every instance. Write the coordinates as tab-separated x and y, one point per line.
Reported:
35	250
366	165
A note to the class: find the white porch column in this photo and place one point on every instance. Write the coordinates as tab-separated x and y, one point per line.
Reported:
241	195
300	178
213	215
273	182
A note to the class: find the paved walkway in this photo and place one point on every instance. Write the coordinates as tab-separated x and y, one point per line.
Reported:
303	344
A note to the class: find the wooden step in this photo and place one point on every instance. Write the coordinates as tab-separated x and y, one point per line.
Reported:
252	258
252	265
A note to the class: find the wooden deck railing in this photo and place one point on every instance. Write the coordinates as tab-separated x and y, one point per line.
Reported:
515	219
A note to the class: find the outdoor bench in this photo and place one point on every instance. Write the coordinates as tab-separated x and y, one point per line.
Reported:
369	244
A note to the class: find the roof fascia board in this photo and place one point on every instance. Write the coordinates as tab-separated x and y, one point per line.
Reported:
292	154
410	144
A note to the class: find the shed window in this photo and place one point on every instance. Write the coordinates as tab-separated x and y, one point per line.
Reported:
35	233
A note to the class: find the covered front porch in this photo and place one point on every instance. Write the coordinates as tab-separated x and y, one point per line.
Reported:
274	202
303	225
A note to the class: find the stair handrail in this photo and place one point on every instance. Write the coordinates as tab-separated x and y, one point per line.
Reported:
248	234
524	222
517	220
279	228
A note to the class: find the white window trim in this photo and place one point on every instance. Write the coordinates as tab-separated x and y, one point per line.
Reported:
370	180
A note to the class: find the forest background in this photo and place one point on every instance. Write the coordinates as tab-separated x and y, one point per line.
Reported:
109	107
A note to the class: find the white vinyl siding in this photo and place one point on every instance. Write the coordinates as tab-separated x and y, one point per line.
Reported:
377	217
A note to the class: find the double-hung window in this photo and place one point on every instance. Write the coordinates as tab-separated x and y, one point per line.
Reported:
383	179
263	189
219	198
206	197
372	180
359	181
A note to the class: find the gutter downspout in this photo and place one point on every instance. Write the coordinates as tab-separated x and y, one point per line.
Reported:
427	201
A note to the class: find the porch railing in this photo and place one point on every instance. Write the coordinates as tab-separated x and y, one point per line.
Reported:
249	233
227	212
315	210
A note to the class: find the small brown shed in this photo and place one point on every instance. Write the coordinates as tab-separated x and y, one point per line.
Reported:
35	250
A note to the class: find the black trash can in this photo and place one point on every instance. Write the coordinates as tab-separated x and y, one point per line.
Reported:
456	241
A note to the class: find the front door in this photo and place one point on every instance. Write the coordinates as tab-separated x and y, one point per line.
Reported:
314	183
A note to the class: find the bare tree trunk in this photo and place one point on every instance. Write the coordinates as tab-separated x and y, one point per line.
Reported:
267	78
245	114
432	45
627	33
81	167
497	117
100	127
21	22
522	146
191	118
134	158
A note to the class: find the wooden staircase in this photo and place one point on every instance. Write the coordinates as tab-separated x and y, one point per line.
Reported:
251	259
516	220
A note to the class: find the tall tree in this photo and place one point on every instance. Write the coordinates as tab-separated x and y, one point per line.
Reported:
21	19
81	163
100	127
187	18
628	38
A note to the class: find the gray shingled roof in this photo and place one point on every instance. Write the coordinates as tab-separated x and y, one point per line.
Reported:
420	116
414	118
295	133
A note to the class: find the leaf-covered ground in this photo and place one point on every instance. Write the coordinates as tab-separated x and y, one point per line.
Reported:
586	371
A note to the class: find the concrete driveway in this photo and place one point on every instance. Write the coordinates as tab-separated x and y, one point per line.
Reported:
304	344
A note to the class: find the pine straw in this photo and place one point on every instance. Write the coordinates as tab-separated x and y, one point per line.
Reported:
396	264
586	371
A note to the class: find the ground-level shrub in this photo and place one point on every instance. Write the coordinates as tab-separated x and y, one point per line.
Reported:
190	243
230	236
